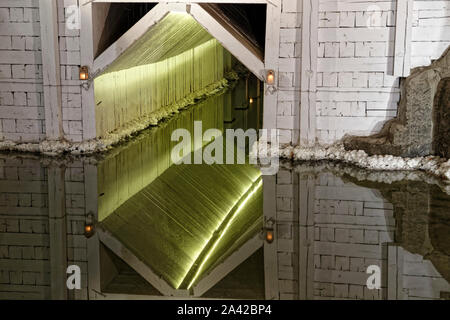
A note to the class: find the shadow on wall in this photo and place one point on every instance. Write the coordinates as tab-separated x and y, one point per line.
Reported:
441	119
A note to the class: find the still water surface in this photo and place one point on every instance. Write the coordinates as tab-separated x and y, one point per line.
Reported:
140	227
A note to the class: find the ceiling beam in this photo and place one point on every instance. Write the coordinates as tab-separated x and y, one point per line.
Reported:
231	263
130	37
191	1
228	40
140	267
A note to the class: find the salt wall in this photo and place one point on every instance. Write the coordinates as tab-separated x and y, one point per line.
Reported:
355	89
22	103
128	169
356	92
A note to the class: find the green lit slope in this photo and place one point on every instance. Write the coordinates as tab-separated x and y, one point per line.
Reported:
173	63
189	218
132	166
173	35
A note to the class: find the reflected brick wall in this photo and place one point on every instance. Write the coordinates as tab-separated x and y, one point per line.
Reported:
329	231
24	230
28	244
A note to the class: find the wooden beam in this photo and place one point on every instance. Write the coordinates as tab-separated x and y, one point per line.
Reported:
306	202
193	1
130	37
93	243
51	69
272	55
228	40
57	232
394	281
233	261
87	59
270	249
140	267
403	35
308	75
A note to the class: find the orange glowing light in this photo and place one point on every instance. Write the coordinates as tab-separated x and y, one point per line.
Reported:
251	100
84	73
270	77
269	236
88	229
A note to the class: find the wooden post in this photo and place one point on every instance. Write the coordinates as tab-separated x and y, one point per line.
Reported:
309	72
403	35
306	239
270	249
272	53
394	272
51	69
93	243
58	232
87	59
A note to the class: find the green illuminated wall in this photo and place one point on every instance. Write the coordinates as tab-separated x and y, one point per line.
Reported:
189	219
173	60
131	167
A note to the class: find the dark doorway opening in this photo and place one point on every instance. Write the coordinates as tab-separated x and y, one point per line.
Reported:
441	119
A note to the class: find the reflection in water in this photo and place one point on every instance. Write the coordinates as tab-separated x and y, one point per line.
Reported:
197	230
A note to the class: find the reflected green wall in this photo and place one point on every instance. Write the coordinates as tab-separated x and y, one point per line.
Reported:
131	167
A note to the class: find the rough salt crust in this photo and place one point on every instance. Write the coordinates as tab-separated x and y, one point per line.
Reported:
436	166
56	148
361	174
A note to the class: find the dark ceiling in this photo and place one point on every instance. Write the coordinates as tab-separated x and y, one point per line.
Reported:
250	18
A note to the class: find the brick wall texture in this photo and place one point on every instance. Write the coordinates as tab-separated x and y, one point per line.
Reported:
356	92
350	229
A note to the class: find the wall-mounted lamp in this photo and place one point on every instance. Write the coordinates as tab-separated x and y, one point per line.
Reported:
251	101
268	231
89	230
89	226
84	73
269	236
270	77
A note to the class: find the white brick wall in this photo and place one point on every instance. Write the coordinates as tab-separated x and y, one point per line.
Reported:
21	98
69	44
355	54
431	31
22	115
356	92
289	71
